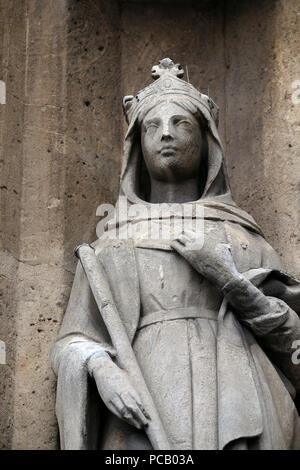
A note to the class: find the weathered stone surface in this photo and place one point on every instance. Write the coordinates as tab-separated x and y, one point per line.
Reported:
67	65
262	123
60	64
11	149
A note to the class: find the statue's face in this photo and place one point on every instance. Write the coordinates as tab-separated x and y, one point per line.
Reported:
171	143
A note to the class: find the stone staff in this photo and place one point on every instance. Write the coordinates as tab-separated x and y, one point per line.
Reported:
126	357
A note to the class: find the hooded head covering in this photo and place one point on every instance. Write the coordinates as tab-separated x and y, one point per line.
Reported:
215	196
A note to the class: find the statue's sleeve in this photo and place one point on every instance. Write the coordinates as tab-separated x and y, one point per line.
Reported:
82	334
279	329
270	308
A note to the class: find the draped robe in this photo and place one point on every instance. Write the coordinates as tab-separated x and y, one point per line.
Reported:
256	379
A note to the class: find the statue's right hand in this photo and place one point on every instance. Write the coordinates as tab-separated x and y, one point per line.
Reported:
118	394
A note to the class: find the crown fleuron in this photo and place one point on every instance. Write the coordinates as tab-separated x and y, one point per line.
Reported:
167	66
168	81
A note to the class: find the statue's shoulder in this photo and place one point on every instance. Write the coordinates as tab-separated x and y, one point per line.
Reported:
253	243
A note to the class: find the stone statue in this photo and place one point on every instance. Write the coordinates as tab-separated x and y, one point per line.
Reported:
211	317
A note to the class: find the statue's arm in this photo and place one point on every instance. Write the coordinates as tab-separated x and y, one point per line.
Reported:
82	357
82	331
270	318
272	314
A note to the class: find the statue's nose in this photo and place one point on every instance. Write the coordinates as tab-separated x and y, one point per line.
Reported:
166	131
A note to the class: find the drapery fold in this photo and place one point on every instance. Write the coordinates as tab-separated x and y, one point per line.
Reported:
248	382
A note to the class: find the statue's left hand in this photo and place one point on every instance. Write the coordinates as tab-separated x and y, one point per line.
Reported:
211	258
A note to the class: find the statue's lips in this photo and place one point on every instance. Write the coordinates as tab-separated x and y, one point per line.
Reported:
168	150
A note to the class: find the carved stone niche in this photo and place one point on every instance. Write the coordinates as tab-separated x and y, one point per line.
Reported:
67	150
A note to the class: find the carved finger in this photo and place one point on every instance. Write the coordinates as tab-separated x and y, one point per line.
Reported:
183	238
190	235
145	413
178	246
114	409
136	399
128	413
138	413
133	404
130	418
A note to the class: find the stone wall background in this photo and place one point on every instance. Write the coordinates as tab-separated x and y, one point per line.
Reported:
66	65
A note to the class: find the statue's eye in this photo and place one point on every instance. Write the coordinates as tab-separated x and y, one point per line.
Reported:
151	125
178	122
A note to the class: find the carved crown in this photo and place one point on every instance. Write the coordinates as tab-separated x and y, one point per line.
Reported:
168	81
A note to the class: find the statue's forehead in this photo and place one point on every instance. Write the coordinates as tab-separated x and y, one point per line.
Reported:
166	108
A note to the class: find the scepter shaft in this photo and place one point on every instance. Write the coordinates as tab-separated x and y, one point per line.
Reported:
116	329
